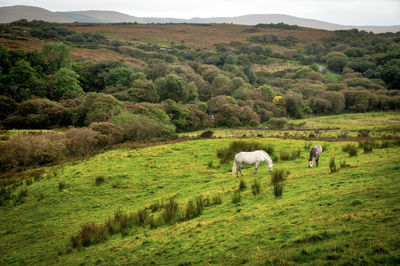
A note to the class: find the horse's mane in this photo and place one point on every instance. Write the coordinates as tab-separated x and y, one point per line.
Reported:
266	154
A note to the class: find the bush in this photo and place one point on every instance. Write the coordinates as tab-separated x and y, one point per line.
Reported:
236	197
24	149
89	234
256	187
207	134
277	123
277	178
351	149
82	141
193	209
332	165
111	133
227	154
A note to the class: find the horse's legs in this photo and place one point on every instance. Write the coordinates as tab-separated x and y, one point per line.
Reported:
317	159
240	169
255	169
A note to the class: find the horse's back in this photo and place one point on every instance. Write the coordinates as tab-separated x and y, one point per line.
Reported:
317	149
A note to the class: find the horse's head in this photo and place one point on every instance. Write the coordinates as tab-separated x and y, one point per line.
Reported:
270	165
310	164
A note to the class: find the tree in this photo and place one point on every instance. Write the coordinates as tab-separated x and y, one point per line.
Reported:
119	75
66	80
24	83
337	63
391	74
172	87
294	105
56	55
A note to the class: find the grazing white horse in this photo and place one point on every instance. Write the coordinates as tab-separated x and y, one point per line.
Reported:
255	157
315	152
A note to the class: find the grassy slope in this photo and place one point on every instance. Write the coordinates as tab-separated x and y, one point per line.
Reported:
350	216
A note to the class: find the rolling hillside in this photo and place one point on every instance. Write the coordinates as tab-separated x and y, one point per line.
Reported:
13	13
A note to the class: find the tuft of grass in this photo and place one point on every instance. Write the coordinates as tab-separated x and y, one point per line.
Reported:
99	180
170	210
332	165
286	156
277	178
236	197
216	199
61	185
242	185
367	146
351	149
256	187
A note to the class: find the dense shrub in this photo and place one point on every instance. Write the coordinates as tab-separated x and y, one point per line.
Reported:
111	134
24	149
82	141
207	134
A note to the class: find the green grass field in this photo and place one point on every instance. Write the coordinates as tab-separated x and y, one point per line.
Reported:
379	123
348	217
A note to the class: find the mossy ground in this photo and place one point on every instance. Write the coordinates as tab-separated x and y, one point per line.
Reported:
352	216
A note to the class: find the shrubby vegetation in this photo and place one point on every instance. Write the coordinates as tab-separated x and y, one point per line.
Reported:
181	88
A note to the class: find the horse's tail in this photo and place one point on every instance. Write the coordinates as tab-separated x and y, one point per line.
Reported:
234	167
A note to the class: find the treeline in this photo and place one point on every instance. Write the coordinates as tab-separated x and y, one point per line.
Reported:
181	88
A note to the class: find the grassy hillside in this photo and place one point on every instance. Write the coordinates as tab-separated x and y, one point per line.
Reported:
351	216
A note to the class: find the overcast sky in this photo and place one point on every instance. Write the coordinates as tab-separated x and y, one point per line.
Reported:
345	12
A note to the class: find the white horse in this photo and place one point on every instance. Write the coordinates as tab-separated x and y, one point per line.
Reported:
255	157
315	152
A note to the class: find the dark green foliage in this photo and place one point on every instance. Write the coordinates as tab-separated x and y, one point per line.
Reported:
119	76
351	149
242	185
332	165
256	187
172	87
277	178
56	56
236	197
227	154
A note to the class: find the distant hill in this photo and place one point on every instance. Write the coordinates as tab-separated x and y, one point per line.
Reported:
99	16
13	13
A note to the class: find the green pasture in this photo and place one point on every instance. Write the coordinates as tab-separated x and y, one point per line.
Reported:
348	217
378	123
